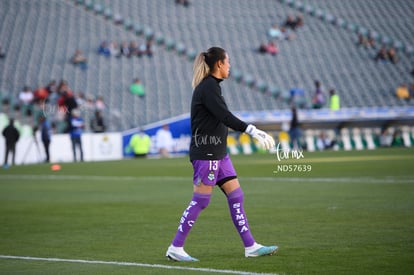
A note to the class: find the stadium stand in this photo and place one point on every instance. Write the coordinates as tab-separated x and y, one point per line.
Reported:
40	36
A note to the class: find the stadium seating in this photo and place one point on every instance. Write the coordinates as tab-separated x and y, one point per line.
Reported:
42	35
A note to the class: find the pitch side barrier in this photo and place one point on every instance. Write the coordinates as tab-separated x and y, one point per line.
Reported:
355	128
312	122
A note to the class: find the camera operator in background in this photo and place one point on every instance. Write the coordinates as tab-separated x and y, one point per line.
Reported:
11	135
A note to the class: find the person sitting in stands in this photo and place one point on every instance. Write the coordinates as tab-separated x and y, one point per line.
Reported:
104	49
137	88
274	32
318	100
79	59
402	92
124	50
392	55
272	48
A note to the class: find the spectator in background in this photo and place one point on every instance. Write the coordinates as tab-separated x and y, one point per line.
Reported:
140	144
385	55
134	49
76	131
392	55
69	103
367	42
385	138
318	99
294	131
26	96
137	88
381	54
11	135
324	142
262	48
124	49
79	58
146	48
402	92
185	3
104	49
89	102
113	49
270	48
275	33
100	103
40	94
52	89
97	122
63	86
300	21
46	135
118	20
334	100
164	141
286	34
80	99
294	23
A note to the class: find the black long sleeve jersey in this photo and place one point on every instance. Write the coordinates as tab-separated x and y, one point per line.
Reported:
210	119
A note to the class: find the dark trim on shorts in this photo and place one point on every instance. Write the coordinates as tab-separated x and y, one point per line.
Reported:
223	181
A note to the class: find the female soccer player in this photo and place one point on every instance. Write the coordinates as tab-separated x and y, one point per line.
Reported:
210	119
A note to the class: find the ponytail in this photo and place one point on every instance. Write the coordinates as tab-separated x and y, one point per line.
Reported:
205	63
200	69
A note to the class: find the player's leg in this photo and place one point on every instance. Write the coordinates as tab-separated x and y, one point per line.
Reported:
203	174
230	185
73	148
13	151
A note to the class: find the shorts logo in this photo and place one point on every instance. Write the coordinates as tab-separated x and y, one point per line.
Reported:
211	175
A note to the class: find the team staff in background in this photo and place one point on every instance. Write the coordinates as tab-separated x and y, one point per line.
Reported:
76	130
46	134
140	144
210	119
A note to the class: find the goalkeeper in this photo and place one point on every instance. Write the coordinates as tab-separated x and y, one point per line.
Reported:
210	119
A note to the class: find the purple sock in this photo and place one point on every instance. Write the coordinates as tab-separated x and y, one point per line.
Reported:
189	217
235	200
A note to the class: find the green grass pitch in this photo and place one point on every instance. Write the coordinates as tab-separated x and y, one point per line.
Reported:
352	213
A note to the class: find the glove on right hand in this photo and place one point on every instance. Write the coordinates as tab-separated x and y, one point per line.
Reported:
265	140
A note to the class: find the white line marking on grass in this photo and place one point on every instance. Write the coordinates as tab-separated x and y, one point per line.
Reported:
188	179
68	177
160	266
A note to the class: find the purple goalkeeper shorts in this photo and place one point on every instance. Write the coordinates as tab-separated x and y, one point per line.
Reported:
212	172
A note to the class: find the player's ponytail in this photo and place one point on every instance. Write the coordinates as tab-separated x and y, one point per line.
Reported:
205	62
200	69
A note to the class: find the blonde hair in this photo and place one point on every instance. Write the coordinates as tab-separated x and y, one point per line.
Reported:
200	70
205	62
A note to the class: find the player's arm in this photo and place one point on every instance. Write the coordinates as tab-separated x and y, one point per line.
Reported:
216	105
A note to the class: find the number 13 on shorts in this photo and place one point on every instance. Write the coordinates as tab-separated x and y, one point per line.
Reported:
213	165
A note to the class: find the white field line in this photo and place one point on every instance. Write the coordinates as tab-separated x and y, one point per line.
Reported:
188	179
157	266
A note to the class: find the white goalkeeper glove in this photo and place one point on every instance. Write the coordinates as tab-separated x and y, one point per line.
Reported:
265	140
